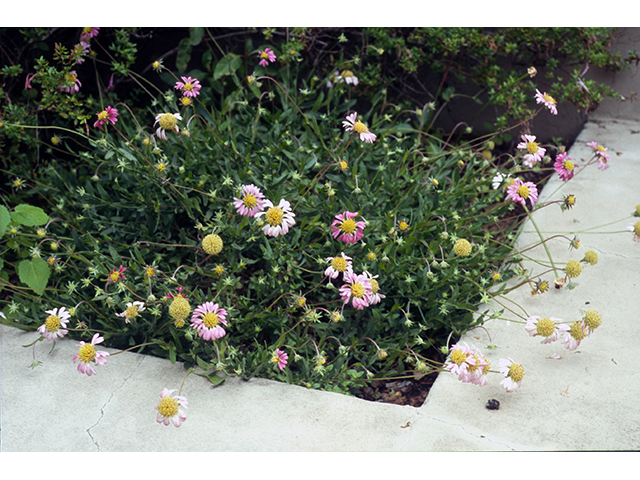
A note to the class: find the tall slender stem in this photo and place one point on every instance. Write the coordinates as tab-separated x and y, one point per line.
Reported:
544	244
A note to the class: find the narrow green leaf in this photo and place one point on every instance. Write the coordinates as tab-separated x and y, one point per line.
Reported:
5	219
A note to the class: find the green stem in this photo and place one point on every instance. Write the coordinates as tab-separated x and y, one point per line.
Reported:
542	240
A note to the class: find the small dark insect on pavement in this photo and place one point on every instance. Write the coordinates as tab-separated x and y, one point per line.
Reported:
493	404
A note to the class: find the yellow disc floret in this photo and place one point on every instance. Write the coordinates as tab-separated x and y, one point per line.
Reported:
212	244
462	248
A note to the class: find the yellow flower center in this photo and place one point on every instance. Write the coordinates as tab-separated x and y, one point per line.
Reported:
161	167
571	200
357	290
179	308
188	87
516	372
573	268
168	121
186	101
348	226
462	247
343	165
371	256
87	353
131	311
212	244
576	331
150	272
339	264
532	147
114	276
592	319
274	216
545	327
168	407
52	323
591	257
375	286
523	191
219	269
496	276
155	65
568	165
275	359
458	357
250	201
346	74
636	228
403	225
549	98
600	148
210	320
71	77
103	115
360	127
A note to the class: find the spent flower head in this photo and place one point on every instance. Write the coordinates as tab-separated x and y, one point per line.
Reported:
132	310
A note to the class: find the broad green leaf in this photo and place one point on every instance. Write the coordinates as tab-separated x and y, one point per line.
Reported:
184	54
196	34
35	273
227	65
213	378
29	215
5	219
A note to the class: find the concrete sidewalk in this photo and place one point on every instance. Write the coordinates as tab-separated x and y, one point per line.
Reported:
585	401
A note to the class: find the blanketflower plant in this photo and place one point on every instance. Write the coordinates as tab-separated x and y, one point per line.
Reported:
547	100
132	310
169	408
520	192
266	56
167	121
534	152
206	319
88	354
251	201
345	228
279	218
109	114
564	167
54	325
352	124
358	289
190	86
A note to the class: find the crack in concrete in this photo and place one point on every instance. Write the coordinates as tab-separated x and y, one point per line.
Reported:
108	401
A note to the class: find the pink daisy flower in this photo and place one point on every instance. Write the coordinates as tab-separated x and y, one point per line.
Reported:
169	408
564	167
109	114
132	310
520	192
351	124
88	33
346	229
72	80
548	101
457	361
549	328
601	153
190	87
513	372
266	57
576	332
116	275
206	319
534	151
80	50
167	121
280	358
54	325
376	296
279	218
88	353
357	289
337	265
251	201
